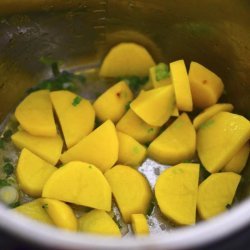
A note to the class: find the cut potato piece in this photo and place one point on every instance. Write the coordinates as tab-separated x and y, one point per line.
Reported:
176	144
130	189
139	224
175	111
155	106
163	78
210	112
220	138
181	85
60	213
99	148
32	172
111	105
133	125
126	59
131	152
75	114
206	87
98	222
216	192
48	148
35	114
79	183
239	160
35	211
176	192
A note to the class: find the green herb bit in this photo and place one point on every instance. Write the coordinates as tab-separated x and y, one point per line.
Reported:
228	206
161	71
127	106
206	124
45	206
15	204
7	134
8	169
151	208
76	101
187	161
3	183
135	82
1	144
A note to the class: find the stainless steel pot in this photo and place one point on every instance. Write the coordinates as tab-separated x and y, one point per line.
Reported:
212	32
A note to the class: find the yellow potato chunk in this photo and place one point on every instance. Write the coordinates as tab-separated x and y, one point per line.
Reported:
133	125
32	172
220	138
206	86
75	114
239	160
100	148
216	192
181	85
111	105
131	152
176	192
60	213
155	106
176	144
210	112
35	211
98	222
139	224
157	83
79	183
35	114
126	59
130	189
47	148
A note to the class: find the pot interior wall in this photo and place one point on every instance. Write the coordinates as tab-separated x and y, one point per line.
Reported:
212	32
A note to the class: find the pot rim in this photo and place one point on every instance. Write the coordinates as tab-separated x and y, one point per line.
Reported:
187	237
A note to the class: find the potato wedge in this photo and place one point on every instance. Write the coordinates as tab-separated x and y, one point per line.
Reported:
98	222
133	125
220	138
210	112
111	105
181	86
216	192
176	192
79	183
239	160
99	148
126	59
155	106
130	189
60	213
139	224
76	119
32	172
176	144
206	86
35	114
47	148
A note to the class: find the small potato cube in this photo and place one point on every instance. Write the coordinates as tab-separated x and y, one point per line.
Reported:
139	224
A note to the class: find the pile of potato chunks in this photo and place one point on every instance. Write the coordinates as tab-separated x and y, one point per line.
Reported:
87	165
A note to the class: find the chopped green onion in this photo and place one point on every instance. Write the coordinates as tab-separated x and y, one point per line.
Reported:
151	208
8	169
161	71
1	144
45	206
7	134
4	183
228	206
135	82
9	195
127	106
76	101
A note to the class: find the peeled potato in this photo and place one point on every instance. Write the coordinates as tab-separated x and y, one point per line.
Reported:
35	114
130	189
139	224
131	152
60	213
48	148
210	112
76	119
176	144
35	211
239	160
126	59
181	85
79	183
98	222
99	148
216	192
220	138
32	172
176	192
134	126
206	86
155	106
111	105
